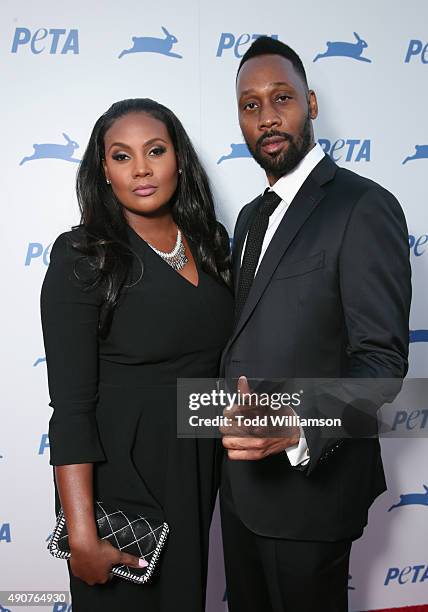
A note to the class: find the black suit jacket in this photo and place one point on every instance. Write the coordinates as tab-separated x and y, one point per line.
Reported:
331	299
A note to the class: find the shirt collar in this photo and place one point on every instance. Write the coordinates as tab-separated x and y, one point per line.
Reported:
289	184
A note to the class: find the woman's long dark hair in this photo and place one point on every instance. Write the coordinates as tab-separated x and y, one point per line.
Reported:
105	239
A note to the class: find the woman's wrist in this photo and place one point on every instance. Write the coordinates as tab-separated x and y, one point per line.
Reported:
82	538
83	543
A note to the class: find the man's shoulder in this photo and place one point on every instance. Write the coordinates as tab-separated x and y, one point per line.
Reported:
246	210
356	182
251	204
353	192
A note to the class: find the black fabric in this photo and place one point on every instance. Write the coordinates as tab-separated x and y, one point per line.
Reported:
114	403
278	575
330	299
253	247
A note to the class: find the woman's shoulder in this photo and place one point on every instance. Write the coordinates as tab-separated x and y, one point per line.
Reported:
70	268
70	255
66	245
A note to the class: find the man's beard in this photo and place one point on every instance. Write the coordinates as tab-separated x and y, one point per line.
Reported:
285	161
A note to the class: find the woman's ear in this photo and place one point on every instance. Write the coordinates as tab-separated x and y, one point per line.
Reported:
105	172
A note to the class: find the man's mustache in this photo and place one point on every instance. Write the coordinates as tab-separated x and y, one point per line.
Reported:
284	135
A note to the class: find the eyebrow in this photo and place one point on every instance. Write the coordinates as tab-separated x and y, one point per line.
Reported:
275	84
125	146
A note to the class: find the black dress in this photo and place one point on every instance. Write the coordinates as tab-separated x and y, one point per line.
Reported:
114	401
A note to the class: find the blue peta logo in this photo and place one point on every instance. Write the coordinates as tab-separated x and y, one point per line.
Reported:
345	49
61	607
416	243
239	43
147	44
410	573
38	361
413	499
349	150
56	41
44	444
54	151
416	419
417	48
421	152
5	533
3	609
36	251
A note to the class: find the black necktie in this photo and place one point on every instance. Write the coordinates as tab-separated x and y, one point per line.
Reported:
253	247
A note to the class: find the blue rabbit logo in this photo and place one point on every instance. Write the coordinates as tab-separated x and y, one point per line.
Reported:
54	151
39	360
412	499
238	150
147	44
346	49
421	152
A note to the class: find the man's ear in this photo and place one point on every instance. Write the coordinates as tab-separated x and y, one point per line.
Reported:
313	104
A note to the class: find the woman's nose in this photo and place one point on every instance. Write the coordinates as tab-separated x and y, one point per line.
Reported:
141	168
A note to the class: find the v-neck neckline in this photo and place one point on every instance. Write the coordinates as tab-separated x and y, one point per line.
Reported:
176	272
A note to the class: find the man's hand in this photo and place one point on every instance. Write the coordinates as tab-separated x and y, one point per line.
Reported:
255	446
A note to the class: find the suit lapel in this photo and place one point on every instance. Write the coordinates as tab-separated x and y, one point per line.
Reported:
244	226
302	206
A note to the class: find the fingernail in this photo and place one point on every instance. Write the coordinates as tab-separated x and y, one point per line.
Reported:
142	563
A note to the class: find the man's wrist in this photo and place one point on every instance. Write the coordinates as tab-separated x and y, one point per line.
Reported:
298	454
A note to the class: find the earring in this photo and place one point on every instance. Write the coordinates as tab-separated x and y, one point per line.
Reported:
108	181
180	171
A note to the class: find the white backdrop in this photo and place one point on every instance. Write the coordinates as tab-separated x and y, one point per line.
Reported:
61	70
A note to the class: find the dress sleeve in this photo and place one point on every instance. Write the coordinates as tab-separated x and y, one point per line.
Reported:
70	329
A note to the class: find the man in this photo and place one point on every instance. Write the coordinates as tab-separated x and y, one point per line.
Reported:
322	277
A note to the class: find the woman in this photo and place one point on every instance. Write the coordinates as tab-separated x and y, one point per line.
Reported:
134	298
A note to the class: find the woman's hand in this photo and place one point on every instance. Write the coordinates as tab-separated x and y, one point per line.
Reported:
92	563
91	558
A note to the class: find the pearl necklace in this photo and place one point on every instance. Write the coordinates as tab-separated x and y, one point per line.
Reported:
176	258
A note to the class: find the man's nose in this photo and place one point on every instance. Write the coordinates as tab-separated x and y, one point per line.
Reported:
269	118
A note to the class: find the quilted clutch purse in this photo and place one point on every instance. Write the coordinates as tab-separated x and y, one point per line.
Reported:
131	533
